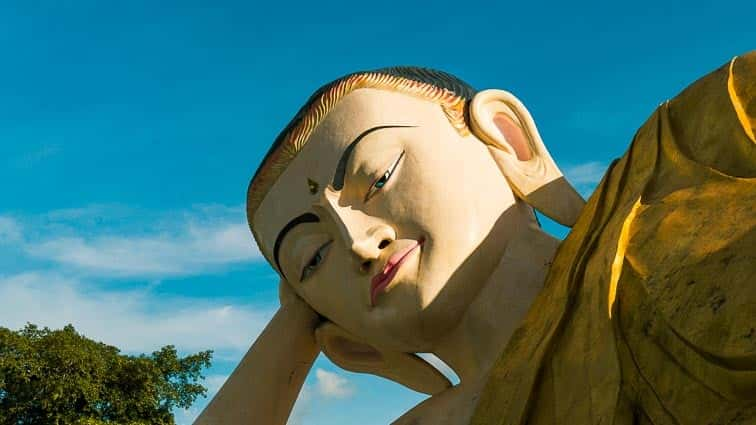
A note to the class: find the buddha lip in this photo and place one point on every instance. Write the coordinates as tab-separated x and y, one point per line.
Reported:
382	279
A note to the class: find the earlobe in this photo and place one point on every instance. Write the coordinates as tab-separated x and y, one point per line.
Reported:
502	122
350	353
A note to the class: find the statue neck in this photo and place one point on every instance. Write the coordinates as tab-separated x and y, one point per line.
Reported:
500	306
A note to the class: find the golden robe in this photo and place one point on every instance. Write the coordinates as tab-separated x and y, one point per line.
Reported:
648	315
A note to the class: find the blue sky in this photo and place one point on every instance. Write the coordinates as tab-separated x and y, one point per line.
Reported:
129	131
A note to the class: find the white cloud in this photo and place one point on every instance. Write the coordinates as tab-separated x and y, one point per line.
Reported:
10	230
135	321
332	385
196	249
587	173
114	241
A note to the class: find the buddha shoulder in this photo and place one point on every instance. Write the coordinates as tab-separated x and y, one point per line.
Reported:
691	244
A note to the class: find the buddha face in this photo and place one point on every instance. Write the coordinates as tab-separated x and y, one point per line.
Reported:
388	222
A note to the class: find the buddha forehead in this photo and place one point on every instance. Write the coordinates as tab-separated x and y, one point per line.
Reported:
360	110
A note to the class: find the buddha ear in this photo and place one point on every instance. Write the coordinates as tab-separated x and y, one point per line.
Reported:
501	121
351	353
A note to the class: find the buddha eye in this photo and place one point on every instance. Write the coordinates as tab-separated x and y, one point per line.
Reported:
381	181
315	261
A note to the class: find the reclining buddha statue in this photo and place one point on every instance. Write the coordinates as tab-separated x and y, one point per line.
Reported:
398	208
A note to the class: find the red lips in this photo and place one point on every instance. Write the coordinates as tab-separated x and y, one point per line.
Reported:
382	279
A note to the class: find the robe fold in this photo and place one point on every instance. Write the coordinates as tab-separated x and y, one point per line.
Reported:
648	314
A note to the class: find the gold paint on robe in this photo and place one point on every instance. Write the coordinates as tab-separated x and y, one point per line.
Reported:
648	315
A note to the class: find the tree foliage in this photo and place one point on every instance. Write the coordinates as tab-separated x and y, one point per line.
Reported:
61	377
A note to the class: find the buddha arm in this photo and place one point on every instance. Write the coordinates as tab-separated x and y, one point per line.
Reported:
263	387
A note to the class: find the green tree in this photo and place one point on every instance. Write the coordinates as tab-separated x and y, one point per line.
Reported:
61	377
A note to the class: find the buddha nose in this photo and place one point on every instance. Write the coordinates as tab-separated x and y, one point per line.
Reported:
364	235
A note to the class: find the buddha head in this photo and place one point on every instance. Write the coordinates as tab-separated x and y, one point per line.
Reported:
388	201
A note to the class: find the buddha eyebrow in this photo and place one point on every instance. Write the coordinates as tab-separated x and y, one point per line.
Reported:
338	177
304	218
